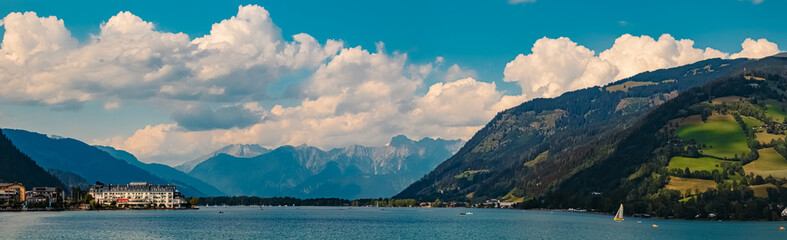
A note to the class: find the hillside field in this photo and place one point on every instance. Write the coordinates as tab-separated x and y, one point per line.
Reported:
776	110
696	164
683	184
770	163
723	136
762	190
752	122
765	138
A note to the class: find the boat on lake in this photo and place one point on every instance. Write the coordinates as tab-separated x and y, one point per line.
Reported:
619	214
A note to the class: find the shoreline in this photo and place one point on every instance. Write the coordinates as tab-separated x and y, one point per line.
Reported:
87	210
533	209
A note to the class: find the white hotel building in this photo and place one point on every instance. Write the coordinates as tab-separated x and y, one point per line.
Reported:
138	194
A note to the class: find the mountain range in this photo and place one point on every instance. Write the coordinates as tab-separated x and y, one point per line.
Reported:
237	150
308	172
239	169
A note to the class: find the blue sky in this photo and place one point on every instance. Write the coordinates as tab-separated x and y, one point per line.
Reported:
481	34
480	37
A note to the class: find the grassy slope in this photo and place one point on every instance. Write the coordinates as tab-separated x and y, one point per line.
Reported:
774	111
538	158
727	99
722	135
696	164
765	138
683	184
752	122
761	190
624	87
770	163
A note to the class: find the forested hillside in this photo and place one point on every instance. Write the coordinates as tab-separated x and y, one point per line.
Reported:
15	166
527	150
714	151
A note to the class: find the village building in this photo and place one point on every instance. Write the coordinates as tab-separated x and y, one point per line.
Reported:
12	192
44	195
138	195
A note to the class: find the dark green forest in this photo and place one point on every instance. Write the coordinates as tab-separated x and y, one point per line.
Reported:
15	166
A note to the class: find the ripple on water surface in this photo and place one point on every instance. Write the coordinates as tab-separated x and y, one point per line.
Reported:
363	223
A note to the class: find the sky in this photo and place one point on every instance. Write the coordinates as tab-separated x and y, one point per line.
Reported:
171	80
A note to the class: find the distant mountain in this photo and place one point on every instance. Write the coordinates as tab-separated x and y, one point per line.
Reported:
15	166
308	172
237	150
175	177
67	157
70	179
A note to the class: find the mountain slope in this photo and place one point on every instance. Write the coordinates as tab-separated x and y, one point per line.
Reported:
717	151
15	166
237	150
308	172
526	151
177	178
70	156
265	175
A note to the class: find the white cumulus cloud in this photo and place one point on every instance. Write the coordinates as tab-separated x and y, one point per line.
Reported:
559	65
759	48
130	59
556	66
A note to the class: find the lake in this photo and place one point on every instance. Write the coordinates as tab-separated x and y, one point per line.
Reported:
363	223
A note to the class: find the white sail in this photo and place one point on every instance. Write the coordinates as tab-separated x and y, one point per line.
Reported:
619	214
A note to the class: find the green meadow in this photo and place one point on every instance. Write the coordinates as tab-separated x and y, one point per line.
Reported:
775	110
723	136
696	164
752	122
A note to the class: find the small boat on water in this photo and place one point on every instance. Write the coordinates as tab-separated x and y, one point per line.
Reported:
221	211
655	226
619	214
466	213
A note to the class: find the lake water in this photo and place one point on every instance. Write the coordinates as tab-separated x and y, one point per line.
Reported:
363	223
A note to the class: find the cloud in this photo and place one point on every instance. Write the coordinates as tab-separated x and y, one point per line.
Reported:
130	59
559	65
556	66
632	55
112	105
27	36
358	97
201	117
145	142
759	48
455	72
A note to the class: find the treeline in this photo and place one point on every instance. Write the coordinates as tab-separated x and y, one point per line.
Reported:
290	201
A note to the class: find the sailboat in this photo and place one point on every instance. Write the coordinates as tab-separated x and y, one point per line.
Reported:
619	214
